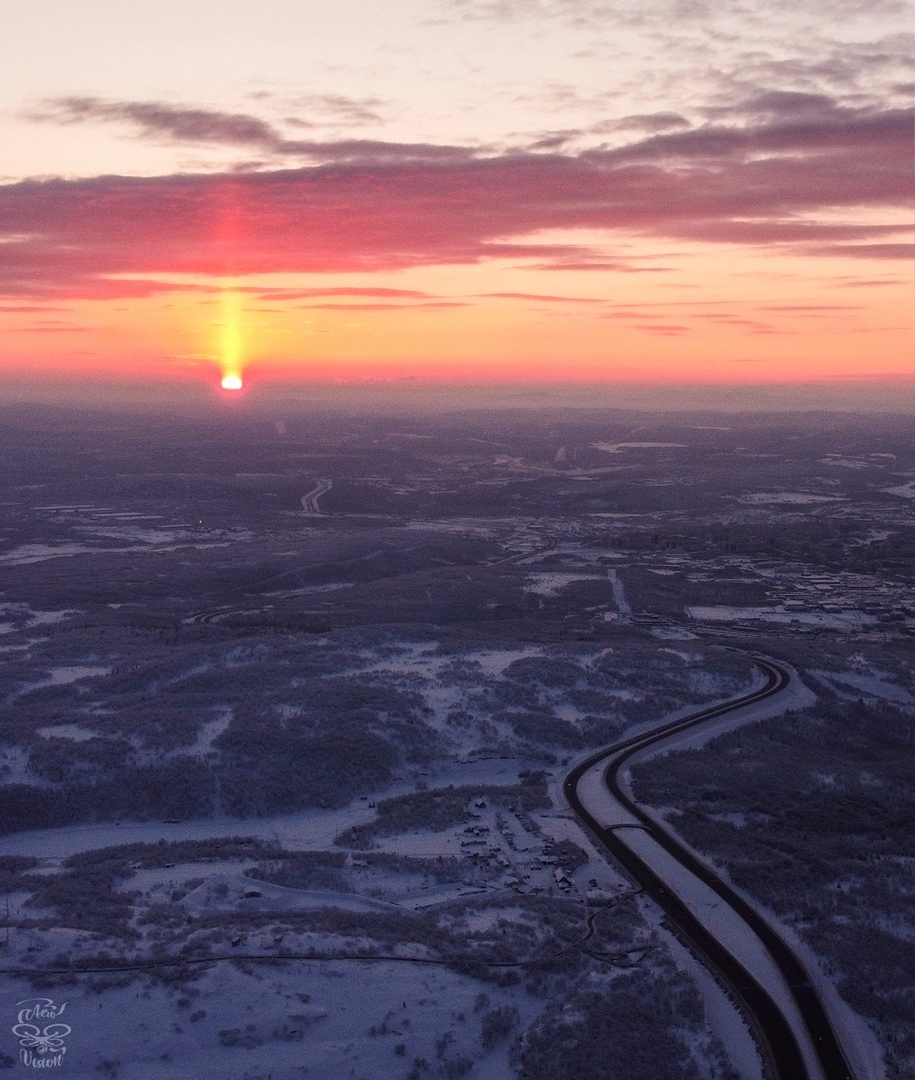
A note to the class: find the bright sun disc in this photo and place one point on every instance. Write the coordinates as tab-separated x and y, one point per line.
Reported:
231	382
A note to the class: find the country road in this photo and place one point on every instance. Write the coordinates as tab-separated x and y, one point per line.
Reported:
759	969
310	501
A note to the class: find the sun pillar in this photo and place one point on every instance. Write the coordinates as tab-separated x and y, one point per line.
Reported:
230	345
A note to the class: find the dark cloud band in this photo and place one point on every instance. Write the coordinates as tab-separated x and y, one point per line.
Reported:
383	206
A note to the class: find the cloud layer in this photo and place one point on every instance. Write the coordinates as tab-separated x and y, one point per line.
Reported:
161	121
759	176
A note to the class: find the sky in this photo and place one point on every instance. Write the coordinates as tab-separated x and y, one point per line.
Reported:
456	191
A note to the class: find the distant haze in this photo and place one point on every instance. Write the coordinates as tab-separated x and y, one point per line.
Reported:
837	395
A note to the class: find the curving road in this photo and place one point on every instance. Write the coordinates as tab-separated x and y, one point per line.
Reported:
310	501
817	1053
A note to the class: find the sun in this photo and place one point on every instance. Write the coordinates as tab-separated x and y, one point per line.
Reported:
231	382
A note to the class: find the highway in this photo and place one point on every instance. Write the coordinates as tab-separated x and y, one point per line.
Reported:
756	966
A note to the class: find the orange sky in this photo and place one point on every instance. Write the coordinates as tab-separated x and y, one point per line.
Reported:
682	214
755	318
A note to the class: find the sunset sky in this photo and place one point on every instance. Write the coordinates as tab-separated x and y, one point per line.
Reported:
462	190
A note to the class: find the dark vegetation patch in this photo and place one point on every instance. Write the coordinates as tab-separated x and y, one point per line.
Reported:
599	1030
295	724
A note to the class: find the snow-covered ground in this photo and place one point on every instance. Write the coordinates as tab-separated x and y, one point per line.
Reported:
506	856
240	1021
787	498
33	553
833	620
23	617
620	447
904	491
551	584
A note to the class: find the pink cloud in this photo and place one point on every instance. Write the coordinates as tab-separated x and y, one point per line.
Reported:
812	309
544	298
665	329
391	211
41	328
384	307
28	309
164	122
307	294
863	251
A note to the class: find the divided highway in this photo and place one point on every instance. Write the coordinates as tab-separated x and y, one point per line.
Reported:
797	1042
